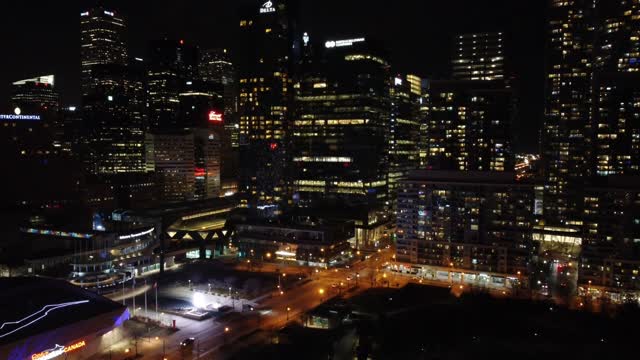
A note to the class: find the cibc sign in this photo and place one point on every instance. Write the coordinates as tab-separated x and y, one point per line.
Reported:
57	351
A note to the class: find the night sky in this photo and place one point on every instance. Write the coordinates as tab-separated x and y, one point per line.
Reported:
42	37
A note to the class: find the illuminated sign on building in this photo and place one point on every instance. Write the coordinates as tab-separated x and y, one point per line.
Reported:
215	116
267	8
58	350
86	13
342	43
17	115
305	39
110	13
147	232
200	172
57	233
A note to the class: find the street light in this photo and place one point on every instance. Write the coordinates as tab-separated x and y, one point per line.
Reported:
226	331
288	309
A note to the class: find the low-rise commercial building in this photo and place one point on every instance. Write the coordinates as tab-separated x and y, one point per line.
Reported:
307	244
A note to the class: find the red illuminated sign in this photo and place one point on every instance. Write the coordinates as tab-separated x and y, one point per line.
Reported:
200	172
215	116
273	146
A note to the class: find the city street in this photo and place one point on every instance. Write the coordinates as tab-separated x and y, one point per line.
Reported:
275	311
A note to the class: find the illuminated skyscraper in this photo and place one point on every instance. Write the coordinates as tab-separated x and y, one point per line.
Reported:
339	135
36	95
172	70
172	158
102	41
404	130
616	91
469	126
113	94
567	129
113	112
264	60
216	67
479	56
591	138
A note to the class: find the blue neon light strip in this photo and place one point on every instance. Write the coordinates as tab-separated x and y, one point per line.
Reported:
46	309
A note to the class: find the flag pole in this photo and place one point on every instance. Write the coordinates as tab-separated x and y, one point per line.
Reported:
133	288
146	313
156	287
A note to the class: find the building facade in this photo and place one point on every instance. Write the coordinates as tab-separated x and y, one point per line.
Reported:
473	222
264	69
479	56
36	95
404	130
102	42
172	70
590	138
469	126
172	158
339	136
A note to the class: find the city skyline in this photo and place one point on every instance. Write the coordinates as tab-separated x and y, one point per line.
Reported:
268	171
420	40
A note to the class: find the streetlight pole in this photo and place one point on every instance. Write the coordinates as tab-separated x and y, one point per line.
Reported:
288	309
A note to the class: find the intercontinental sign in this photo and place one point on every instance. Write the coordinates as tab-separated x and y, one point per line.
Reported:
17	115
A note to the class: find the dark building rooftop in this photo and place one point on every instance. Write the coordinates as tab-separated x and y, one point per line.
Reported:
30	306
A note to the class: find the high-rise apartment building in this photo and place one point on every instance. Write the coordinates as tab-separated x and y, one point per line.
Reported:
469	126
468	227
616	90
590	138
479	56
567	129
